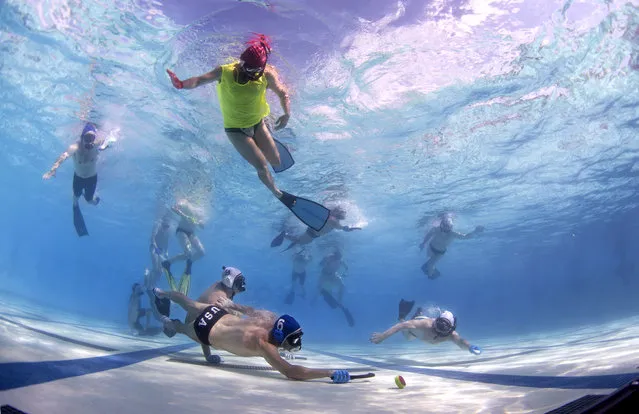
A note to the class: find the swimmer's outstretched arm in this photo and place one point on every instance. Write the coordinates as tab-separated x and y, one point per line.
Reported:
460	342
379	337
462	236
195	81
295	372
185	211
229	305
66	154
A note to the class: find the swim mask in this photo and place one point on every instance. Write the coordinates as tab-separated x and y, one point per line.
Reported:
253	59
339	213
446	224
287	333
233	279
445	324
88	135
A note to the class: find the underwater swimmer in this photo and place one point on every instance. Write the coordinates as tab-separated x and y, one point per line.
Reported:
440	238
261	333
337	214
241	92
430	330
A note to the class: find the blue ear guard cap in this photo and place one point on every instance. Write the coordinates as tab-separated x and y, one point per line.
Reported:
89	131
287	333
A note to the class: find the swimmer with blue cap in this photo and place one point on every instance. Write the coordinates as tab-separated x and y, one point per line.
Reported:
260	333
85	178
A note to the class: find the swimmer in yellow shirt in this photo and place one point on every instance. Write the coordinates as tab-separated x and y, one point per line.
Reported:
241	91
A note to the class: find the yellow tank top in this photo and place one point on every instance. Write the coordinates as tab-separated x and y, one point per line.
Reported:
242	105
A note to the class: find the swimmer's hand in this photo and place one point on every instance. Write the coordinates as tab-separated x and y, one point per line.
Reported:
177	83
479	229
223	302
377	337
213	359
341	376
474	349
48	174
421	245
282	121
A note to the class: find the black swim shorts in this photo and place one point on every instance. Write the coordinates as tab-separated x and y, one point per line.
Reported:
205	321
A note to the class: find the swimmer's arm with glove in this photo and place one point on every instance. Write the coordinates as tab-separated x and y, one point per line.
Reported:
478	229
66	154
178	210
295	372
464	344
379	337
194	82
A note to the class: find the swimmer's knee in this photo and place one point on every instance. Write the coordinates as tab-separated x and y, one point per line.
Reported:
275	160
262	169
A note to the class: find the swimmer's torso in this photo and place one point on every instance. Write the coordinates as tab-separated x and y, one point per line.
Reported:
85	161
441	240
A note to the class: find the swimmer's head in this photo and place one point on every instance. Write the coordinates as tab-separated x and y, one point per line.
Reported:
287	333
88	136
233	279
253	59
446	224
445	324
136	289
339	213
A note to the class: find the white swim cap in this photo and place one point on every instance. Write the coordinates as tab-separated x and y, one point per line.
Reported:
233	279
448	315
445	324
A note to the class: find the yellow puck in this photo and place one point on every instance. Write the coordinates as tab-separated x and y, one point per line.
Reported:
399	381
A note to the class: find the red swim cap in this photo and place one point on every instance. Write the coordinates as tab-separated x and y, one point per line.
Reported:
256	55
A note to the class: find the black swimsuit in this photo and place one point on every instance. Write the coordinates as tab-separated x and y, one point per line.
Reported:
205	321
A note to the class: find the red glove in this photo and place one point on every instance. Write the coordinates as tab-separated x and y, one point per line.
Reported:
175	80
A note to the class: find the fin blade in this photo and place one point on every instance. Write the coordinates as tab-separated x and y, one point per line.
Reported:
286	159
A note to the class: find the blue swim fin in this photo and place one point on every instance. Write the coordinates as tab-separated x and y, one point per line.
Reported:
78	222
286	160
313	214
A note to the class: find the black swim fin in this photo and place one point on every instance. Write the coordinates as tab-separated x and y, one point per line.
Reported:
313	214
78	222
349	317
332	302
405	306
163	306
290	298
286	159
278	240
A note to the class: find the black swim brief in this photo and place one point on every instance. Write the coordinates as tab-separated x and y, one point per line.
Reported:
181	230
205	321
300	275
87	185
249	131
436	250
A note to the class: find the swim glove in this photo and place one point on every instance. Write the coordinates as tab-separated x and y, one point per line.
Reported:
213	359
341	376
474	349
